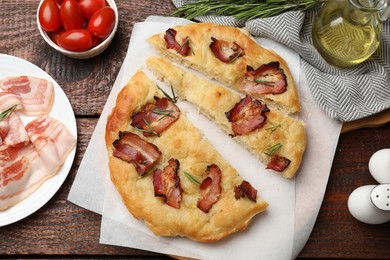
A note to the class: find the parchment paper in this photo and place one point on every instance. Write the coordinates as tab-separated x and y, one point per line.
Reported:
279	233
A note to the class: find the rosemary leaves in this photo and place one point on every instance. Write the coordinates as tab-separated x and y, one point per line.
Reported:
243	9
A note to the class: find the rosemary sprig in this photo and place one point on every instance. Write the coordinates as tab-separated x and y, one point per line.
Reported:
271	150
265	82
191	178
163	112
148	172
185	43
144	130
7	112
274	127
150	129
173	98
235	55
243	9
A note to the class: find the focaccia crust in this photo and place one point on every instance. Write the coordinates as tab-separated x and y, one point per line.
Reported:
214	100
231	74
185	143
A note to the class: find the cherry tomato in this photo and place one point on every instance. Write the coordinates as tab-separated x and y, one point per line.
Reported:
75	40
49	16
55	35
102	22
95	41
89	7
71	16
59	2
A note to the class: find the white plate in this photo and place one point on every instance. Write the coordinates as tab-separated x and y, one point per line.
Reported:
62	111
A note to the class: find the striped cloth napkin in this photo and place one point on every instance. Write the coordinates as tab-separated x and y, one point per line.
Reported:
344	94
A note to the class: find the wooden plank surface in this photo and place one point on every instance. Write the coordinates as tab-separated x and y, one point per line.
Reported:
63	229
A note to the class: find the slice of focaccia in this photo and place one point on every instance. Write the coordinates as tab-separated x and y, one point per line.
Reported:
277	140
168	174
232	57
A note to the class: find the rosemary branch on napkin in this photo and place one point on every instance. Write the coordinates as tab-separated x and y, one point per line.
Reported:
243	9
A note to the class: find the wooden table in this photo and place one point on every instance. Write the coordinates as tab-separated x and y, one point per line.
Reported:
62	229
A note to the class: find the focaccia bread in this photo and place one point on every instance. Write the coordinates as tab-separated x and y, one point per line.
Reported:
180	145
279	134
232	57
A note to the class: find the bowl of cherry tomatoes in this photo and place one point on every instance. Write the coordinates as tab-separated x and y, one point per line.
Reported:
79	29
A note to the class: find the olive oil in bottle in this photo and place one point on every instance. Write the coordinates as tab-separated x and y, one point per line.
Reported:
344	34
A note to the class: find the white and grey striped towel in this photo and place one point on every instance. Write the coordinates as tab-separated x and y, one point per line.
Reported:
344	94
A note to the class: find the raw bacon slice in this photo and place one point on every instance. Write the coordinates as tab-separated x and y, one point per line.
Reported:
247	115
4	126
4	129
16	135
245	189
36	94
170	39
51	139
17	180
167	184
25	169
267	79
8	100
211	188
133	149
226	51
278	163
155	118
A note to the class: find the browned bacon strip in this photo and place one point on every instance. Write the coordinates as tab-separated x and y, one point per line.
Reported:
36	94
267	79
247	115
245	189
158	183
155	118
226	51
167	184
132	149
278	163
170	39
211	188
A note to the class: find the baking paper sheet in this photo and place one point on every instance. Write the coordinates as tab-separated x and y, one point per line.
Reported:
278	233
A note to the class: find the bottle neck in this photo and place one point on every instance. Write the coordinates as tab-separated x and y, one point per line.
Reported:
370	5
381	7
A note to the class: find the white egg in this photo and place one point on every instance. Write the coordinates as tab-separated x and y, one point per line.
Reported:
362	208
379	166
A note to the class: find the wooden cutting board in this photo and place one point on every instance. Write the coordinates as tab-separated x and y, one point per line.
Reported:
371	121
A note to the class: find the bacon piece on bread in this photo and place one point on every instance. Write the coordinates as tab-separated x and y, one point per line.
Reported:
167	184
278	163
170	39
133	149
155	118
245	189
247	115
226	51
267	79
211	188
